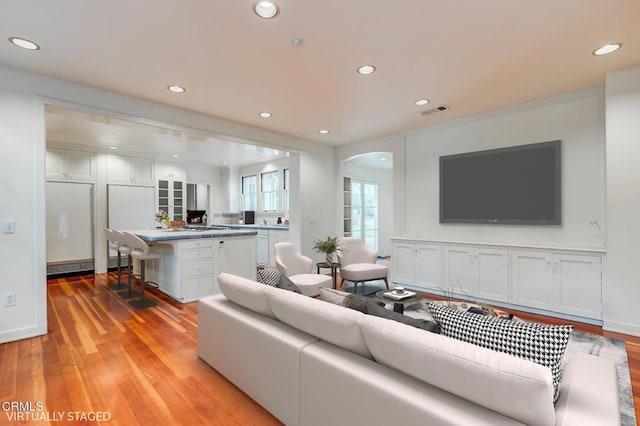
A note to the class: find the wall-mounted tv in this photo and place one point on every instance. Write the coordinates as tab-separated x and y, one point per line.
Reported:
518	185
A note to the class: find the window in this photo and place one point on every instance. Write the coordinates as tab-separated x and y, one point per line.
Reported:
249	192
364	212
286	189
269	188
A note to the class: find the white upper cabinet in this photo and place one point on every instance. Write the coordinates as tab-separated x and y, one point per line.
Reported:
130	170
70	165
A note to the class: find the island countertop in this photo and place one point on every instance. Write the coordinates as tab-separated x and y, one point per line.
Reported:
152	235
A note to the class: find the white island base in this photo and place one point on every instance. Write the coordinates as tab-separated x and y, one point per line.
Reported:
188	268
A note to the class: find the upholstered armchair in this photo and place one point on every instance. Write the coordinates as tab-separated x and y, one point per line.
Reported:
358	263
298	268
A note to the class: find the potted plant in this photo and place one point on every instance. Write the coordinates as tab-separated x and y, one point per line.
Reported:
328	247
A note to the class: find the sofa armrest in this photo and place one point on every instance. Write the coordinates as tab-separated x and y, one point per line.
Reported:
588	392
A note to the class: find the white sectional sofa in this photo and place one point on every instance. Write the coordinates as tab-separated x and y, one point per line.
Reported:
309	362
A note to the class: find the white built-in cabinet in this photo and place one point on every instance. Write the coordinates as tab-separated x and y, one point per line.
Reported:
70	165
555	280
130	170
417	264
479	272
559	282
172	198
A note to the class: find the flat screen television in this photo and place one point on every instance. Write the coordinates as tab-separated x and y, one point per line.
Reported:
518	185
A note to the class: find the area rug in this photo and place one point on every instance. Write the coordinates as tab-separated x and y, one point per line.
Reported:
580	342
616	350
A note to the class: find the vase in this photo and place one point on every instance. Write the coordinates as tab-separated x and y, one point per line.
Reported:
328	258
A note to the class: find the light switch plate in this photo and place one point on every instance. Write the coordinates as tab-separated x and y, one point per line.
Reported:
9	227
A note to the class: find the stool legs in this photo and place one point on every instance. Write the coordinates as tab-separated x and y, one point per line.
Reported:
118	285
142	303
128	294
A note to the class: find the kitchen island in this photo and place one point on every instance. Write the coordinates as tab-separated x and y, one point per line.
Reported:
190	260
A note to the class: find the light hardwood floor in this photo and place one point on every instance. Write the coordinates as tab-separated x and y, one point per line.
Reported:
141	367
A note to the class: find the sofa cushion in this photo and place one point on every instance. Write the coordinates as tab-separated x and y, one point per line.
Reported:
326	321
373	308
244	292
512	386
540	343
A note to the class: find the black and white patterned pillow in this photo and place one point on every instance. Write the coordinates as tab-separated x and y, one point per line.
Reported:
541	343
269	275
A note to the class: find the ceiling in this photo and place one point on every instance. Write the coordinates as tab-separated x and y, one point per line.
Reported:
470	55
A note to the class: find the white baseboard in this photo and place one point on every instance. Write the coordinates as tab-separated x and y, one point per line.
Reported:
621	327
23	333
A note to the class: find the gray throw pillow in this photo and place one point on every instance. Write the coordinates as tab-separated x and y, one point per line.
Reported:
286	284
358	302
379	311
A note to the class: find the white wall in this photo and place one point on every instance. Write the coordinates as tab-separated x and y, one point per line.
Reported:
22	255
576	119
622	277
384	179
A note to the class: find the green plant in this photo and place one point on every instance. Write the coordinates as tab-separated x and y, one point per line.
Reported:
328	246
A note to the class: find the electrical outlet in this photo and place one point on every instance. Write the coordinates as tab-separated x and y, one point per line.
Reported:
9	226
9	300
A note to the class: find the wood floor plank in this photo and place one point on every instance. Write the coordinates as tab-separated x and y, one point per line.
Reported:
141	367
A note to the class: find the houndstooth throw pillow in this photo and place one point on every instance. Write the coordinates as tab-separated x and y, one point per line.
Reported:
269	275
541	343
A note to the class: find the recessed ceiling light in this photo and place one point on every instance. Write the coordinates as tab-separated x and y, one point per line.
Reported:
296	41
421	102
266	9
176	89
366	69
260	159
113	147
265	114
176	156
323	131
224	163
24	43
606	49
383	158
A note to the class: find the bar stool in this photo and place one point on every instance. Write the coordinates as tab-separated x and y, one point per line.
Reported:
125	250
140	251
114	244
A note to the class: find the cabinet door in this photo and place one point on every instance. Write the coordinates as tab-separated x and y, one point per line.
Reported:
403	264
263	248
460	270
55	164
141	171
79	165
163	196
179	203
493	274
428	266
578	283
236	256
118	169
532	279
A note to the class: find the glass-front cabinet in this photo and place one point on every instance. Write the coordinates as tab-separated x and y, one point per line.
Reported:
171	198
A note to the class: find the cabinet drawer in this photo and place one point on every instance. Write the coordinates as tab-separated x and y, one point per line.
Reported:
203	253
194	268
197	243
195	288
